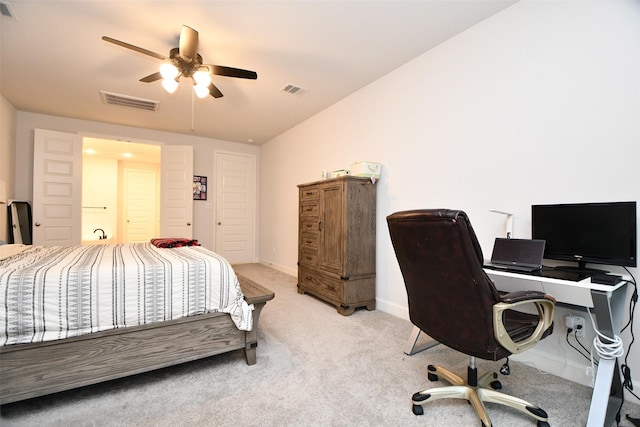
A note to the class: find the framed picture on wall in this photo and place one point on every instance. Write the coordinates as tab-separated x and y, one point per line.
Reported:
199	187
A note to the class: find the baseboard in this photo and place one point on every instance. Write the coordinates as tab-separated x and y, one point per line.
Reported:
393	309
282	268
558	366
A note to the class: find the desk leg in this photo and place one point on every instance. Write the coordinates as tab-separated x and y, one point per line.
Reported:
413	340
607	391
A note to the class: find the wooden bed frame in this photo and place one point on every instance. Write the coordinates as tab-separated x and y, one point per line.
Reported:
31	370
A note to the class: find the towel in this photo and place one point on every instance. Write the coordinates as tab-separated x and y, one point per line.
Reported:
173	242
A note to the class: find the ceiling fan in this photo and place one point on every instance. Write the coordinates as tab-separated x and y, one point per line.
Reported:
185	61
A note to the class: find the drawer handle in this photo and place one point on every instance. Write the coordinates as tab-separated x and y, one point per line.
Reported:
309	258
309	193
308	242
309	225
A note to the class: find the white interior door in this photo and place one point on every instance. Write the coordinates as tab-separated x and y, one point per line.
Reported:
176	204
140	205
235	206
57	188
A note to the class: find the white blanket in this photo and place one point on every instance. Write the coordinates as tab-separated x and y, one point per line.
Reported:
50	293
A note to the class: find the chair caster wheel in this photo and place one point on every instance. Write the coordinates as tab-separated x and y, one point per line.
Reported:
496	385
431	374
417	410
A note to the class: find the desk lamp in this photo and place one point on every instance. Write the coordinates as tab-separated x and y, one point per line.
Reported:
509	224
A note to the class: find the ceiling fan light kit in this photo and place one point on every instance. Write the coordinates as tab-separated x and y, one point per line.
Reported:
169	71
185	61
170	85
201	91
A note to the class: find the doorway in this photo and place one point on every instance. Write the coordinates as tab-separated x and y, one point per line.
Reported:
120	191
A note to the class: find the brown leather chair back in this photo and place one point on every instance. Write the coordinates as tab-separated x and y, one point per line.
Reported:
450	296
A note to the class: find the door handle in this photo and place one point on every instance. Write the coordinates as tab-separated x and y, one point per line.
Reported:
37	224
188	224
219	223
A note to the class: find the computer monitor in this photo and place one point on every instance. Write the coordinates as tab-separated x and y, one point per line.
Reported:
600	233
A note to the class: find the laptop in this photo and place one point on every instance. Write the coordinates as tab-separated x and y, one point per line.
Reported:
521	255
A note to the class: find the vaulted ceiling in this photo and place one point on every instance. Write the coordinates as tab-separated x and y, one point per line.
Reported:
53	59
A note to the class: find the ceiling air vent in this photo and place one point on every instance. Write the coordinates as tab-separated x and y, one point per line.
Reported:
129	101
6	10
294	90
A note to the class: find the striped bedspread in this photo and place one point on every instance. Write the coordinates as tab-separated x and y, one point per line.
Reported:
55	292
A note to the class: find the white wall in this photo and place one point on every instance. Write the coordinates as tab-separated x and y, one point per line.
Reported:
7	154
537	104
203	154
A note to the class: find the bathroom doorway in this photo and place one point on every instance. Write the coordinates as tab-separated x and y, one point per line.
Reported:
120	191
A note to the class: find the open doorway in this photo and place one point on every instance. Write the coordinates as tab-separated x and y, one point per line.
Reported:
120	191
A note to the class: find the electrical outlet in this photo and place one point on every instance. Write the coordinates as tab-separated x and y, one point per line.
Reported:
576	323
579	326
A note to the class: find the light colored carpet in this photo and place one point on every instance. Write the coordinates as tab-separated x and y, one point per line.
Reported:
315	368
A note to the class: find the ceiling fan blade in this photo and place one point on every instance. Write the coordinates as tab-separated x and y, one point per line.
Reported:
214	91
232	72
188	43
152	78
135	48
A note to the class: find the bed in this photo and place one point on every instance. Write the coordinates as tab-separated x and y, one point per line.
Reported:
78	315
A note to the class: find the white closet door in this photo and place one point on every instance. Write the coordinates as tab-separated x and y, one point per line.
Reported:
57	188
236	207
176	201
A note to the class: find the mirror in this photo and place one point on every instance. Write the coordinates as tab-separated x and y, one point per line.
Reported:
19	218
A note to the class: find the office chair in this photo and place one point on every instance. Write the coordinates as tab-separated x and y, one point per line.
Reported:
453	301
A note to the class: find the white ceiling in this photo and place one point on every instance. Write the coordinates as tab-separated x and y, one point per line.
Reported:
53	60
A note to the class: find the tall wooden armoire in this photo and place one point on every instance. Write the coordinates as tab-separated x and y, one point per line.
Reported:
337	242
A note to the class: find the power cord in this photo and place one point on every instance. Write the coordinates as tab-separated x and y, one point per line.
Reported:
612	348
587	354
627	383
577	338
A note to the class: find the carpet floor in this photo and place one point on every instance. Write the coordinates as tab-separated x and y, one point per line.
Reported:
314	368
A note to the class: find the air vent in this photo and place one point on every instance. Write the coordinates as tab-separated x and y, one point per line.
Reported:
6	10
294	90
129	101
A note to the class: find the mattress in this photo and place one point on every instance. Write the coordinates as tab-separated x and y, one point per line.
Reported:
55	292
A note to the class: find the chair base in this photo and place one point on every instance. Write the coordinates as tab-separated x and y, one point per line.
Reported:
476	392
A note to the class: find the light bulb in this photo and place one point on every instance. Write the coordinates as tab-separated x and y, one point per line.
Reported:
168	71
201	90
202	78
170	85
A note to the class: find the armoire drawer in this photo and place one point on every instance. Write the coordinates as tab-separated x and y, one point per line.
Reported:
310	210
309	241
309	226
322	286
309	193
308	258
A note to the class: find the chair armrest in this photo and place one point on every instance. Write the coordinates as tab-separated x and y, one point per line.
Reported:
517	296
544	304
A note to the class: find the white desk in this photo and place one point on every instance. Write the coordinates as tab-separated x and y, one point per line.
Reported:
607	304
